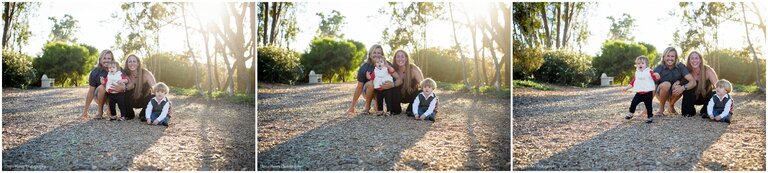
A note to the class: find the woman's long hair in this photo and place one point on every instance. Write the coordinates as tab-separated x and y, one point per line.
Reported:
138	89
408	85
701	87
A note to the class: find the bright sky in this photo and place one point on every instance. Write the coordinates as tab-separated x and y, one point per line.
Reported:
656	26
364	24
97	28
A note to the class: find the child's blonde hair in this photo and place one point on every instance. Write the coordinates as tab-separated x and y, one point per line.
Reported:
160	87
725	84
115	63
428	82
644	59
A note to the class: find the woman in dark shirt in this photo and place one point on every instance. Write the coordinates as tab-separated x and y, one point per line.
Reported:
674	79
366	86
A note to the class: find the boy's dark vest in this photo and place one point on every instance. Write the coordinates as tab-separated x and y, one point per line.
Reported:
720	105
158	108
424	103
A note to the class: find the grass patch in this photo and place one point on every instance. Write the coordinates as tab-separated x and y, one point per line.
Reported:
236	98
531	84
450	86
745	88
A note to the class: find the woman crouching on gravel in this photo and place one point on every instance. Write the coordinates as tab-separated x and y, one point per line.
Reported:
365	86
96	88
408	88
139	85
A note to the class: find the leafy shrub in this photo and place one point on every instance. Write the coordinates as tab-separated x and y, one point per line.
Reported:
278	65
66	63
525	61
17	70
172	69
336	60
438	64
618	59
564	67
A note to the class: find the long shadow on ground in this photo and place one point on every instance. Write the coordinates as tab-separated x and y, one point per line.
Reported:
359	143
82	146
635	145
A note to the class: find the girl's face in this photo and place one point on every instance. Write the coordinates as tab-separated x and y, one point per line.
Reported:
106	59
695	60
112	68
132	63
400	59
669	58
640	64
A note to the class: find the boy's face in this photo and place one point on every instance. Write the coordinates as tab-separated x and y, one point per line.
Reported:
721	91
427	90
160	95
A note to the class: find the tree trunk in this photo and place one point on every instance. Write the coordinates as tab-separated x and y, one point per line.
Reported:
191	52
557	16
568	14
265	36
546	24
482	49
8	15
458	47
473	30
252	76
277	8
752	49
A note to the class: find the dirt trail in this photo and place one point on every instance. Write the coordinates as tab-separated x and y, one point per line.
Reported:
41	131
304	128
584	129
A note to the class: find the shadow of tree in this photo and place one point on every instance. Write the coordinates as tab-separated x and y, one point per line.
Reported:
93	145
635	145
359	143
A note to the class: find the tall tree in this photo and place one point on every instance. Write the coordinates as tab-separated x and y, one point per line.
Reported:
330	26
410	21
751	47
458	48
234	40
191	51
64	29
16	23
621	28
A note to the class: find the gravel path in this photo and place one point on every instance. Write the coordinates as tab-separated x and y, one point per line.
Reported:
304	128
584	129
41	131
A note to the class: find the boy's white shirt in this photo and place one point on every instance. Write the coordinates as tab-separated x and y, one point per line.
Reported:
382	75
431	104
113	78
726	111
148	112
644	81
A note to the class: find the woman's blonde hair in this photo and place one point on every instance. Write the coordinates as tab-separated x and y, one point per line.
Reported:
701	87
408	85
669	49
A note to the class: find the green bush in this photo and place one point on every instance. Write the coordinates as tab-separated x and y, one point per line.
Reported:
67	63
336	60
278	65
17	70
568	68
618	59
526	61
735	66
